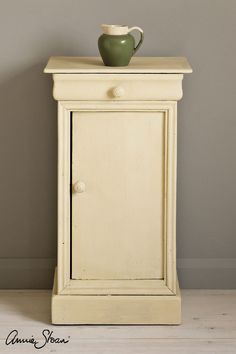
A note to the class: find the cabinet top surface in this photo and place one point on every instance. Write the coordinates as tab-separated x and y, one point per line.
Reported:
80	65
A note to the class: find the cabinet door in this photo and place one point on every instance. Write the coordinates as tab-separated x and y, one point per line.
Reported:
118	162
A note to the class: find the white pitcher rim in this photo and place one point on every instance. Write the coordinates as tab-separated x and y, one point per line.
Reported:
115	30
106	25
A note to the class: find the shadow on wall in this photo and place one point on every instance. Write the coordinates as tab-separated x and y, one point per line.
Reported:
28	155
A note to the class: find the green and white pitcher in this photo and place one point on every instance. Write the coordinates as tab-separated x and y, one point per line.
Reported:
116	44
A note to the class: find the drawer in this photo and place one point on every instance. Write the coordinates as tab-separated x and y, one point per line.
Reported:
125	87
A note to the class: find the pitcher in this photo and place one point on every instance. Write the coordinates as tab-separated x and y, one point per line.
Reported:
116	44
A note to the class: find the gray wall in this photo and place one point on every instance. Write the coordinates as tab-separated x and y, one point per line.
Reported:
202	30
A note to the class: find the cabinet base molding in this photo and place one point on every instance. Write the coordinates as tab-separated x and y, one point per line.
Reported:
116	309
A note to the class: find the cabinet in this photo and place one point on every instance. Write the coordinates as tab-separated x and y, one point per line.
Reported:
116	190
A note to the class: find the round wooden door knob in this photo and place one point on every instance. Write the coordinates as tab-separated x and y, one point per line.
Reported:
118	91
79	187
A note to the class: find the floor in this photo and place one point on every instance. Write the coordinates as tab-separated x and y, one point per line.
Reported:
209	326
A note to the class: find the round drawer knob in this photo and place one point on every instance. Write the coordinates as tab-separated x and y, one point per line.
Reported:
118	91
79	187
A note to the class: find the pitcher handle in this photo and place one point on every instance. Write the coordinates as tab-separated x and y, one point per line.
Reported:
141	37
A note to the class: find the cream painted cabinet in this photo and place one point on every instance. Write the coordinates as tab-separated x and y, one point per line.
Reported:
116	191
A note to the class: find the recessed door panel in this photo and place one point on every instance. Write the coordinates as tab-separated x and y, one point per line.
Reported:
117	195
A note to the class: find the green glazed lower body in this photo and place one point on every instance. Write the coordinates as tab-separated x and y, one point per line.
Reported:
116	50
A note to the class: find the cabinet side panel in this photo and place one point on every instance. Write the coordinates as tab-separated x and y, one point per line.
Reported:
171	197
63	257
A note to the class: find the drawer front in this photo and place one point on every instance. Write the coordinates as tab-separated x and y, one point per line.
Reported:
125	87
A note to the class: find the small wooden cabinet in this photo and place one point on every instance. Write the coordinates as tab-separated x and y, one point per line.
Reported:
116	191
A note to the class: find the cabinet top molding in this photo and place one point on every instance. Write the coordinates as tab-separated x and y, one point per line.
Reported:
139	65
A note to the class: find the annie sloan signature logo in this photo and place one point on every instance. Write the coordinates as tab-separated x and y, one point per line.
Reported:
47	337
